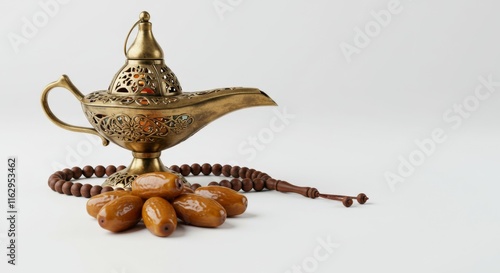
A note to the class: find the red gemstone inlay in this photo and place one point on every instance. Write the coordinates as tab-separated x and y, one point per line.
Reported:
147	91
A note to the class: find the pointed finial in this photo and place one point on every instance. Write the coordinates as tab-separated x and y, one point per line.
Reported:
144	46
144	16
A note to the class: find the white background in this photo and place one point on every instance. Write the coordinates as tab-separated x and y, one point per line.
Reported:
352	123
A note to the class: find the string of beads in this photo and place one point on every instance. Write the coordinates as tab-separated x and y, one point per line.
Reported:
243	178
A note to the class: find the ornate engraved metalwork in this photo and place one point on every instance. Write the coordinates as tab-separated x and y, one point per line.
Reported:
107	98
141	79
123	179
135	79
190	95
120	180
172	86
144	109
138	128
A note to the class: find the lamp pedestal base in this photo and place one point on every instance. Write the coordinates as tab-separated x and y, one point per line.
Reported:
142	163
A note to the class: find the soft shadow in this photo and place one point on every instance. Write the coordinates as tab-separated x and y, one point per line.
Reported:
180	231
183	225
226	225
139	226
244	215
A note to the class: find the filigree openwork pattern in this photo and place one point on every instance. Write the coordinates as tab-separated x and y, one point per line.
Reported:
146	79
191	95
104	97
136	79
170	81
120	180
138	128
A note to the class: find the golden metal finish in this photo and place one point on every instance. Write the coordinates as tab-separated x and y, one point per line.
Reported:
145	46
145	111
64	82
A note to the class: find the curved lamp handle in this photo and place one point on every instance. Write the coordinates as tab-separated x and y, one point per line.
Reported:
64	82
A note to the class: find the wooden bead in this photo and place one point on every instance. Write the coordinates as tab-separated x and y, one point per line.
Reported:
54	177
99	171
264	177
59	184
66	187
217	169
249	173
213	183
111	169
75	189
247	184
60	174
270	184
96	189
206	169
225	183
195	186
85	190
88	171
121	167
243	172
195	169
258	184
185	169
106	189
226	170
175	168
236	184
255	174
235	171
52	184
77	172
68	174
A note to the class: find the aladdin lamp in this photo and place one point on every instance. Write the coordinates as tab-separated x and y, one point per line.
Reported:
144	109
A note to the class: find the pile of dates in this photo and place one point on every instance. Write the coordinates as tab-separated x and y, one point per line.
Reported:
160	198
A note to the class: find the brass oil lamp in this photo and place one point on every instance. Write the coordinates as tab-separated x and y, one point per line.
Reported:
144	109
